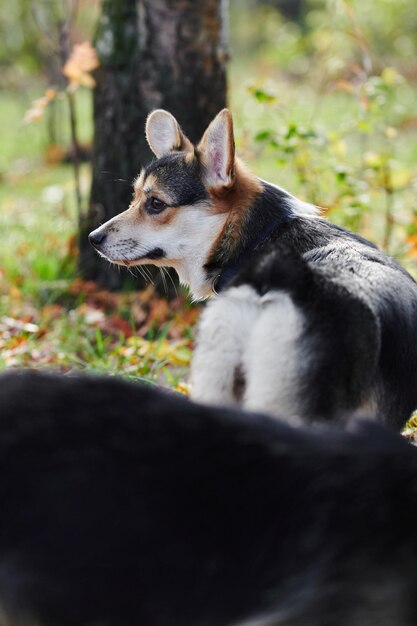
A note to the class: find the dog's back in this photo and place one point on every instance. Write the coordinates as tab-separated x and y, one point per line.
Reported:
122	506
361	307
320	322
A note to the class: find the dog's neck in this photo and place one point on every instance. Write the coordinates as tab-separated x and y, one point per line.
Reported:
191	266
259	223
224	240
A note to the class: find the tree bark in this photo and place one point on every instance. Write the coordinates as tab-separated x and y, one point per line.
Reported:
168	54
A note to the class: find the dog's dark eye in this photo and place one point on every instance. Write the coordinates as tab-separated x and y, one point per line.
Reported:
154	205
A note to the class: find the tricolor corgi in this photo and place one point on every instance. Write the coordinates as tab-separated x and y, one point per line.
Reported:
309	321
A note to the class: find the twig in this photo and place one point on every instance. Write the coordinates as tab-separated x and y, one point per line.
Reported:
75	154
64	52
389	217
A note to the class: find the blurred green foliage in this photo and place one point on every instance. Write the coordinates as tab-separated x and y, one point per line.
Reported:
20	49
328	35
325	108
324	104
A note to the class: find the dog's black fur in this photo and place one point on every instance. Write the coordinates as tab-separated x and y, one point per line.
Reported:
123	506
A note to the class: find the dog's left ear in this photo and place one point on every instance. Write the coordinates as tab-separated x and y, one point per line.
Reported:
164	134
217	149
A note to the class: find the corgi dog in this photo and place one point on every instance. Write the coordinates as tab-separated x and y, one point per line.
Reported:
310	320
123	505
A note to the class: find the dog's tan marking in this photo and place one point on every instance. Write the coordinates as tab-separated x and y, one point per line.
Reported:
240	195
150	183
237	201
150	187
138	182
190	156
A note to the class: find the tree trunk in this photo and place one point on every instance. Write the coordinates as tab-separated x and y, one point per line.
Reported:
168	54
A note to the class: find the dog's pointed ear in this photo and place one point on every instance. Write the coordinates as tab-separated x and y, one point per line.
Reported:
164	134
217	149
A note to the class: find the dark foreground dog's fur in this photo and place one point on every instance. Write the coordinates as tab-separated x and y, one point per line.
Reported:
124	506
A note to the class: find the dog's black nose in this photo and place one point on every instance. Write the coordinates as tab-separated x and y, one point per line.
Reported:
96	238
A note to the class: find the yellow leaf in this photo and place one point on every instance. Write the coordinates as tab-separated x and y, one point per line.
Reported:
401	178
14	292
391	132
372	159
51	93
183	388
33	115
82	61
391	76
37	110
339	148
344	85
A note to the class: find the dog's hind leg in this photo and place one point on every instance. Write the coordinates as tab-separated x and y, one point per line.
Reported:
223	332
273	358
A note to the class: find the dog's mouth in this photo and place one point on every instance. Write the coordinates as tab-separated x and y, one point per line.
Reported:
153	255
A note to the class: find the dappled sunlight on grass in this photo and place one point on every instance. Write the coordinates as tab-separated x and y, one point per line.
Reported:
79	326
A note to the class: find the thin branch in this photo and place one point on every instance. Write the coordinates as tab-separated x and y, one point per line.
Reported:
75	154
389	213
64	52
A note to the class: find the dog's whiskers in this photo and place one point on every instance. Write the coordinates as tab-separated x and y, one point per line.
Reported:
164	282
167	273
147	273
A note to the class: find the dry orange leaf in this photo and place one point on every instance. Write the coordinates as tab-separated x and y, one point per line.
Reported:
344	85
37	109
82	61
54	153
412	242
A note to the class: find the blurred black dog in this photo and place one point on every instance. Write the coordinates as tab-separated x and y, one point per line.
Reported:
124	506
